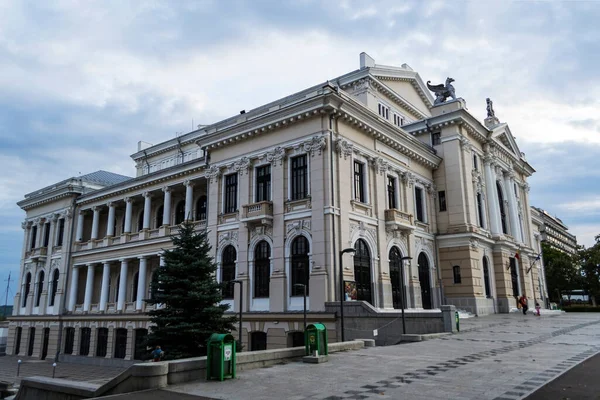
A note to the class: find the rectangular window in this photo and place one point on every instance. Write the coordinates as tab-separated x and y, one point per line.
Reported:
419	209
480	209
263	183
46	234
230	204
391	192
442	200
33	236
475	165
398	120
456	273
436	138
384	111
299	177
61	232
359	182
84	344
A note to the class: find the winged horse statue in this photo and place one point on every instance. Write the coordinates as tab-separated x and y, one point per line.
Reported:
441	91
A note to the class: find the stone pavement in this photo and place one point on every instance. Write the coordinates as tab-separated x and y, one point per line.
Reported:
76	372
501	357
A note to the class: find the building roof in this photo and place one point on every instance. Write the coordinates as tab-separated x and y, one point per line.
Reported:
104	178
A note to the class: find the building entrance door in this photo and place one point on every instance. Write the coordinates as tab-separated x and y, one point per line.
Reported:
424	281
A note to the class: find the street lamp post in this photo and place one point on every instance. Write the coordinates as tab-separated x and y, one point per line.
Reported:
241	306
403	292
342	289
304	292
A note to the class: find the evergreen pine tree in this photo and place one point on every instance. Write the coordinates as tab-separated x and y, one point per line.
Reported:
190	296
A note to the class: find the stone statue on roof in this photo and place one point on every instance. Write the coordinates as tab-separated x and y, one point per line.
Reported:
442	91
490	108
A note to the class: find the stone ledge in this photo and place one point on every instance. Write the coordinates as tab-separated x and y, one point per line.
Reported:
419	338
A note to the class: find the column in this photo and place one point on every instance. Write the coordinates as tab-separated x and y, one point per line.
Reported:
527	211
128	209
122	285
110	226
74	283
89	287
95	222
189	199
141	292
512	206
80	226
40	234
492	199
147	209
52	227
167	206
104	290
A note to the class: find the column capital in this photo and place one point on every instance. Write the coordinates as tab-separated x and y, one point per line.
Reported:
124	260
110	204
53	217
147	195
188	182
526	187
96	208
142	257
167	189
128	199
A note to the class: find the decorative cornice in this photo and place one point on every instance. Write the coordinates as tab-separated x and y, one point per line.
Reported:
344	147
275	155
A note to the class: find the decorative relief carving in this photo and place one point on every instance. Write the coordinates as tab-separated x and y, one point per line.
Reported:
397	235
474	243
526	187
231	236
382	165
363	230
298	225
261	230
240	165
423	244
344	147
277	154
316	144
212	172
408	178
55	263
465	143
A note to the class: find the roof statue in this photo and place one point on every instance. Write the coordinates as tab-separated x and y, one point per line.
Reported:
490	108
442	92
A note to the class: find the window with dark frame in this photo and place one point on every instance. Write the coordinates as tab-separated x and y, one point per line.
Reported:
299	177
201	208
19	333
456	273
84	341
262	269
391	192
33	236
101	342
27	288
384	111
419	204
40	288
359	182
475	164
480	209
228	271
436	138
230	203
61	232
263	183
55	276
300	266
46	234
442	200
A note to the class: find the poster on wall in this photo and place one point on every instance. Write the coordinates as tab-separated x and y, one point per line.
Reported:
350	289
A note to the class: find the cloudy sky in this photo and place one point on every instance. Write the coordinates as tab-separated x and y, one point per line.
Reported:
82	81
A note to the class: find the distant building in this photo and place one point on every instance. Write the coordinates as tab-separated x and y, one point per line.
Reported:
555	233
6	311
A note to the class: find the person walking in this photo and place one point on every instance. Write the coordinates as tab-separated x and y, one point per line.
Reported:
157	354
523	303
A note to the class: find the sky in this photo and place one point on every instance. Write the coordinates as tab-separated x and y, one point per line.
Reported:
81	82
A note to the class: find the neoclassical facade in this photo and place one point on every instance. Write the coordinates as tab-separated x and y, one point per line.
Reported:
363	161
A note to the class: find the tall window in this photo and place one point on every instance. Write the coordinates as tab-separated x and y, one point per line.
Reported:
383	111
442	200
40	287
425	281
69	340
299	177
117	289
263	183
262	269
33	236
159	216
31	341
475	163
395	259
359	182
26	288
230	203
141	221
201	209
134	285
19	333
228	271
55	276
480	209
180	212
101	342
46	234
61	232
391	192
456	273
300	265
419	209
84	341
502	210
120	342
486	278
362	271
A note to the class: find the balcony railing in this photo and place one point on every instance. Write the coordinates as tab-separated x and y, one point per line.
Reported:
39	252
396	219
258	213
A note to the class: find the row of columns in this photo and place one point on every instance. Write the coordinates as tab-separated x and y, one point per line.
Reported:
110	230
122	289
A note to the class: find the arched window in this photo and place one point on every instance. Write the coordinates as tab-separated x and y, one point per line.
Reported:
425	281
180	212
55	276
486	278
262	269
362	271
26	288
123	224
395	259
141	221
228	270
201	209
159	216
456	274
502	209
40	288
135	286
300	266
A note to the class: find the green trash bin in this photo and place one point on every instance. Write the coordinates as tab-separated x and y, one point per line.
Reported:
315	338
220	357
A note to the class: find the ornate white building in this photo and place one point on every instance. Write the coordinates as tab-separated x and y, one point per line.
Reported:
364	161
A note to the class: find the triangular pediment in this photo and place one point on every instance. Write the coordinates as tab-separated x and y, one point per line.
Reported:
503	136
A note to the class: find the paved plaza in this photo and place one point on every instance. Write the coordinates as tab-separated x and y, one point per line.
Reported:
501	357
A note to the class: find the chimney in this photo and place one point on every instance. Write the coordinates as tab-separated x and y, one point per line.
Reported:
366	61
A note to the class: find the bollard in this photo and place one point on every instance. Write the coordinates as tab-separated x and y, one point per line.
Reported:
53	370
18	367
457	321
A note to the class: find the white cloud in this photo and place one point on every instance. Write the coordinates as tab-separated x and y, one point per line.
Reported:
588	206
585	233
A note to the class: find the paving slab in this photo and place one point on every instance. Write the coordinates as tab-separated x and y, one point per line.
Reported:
501	357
